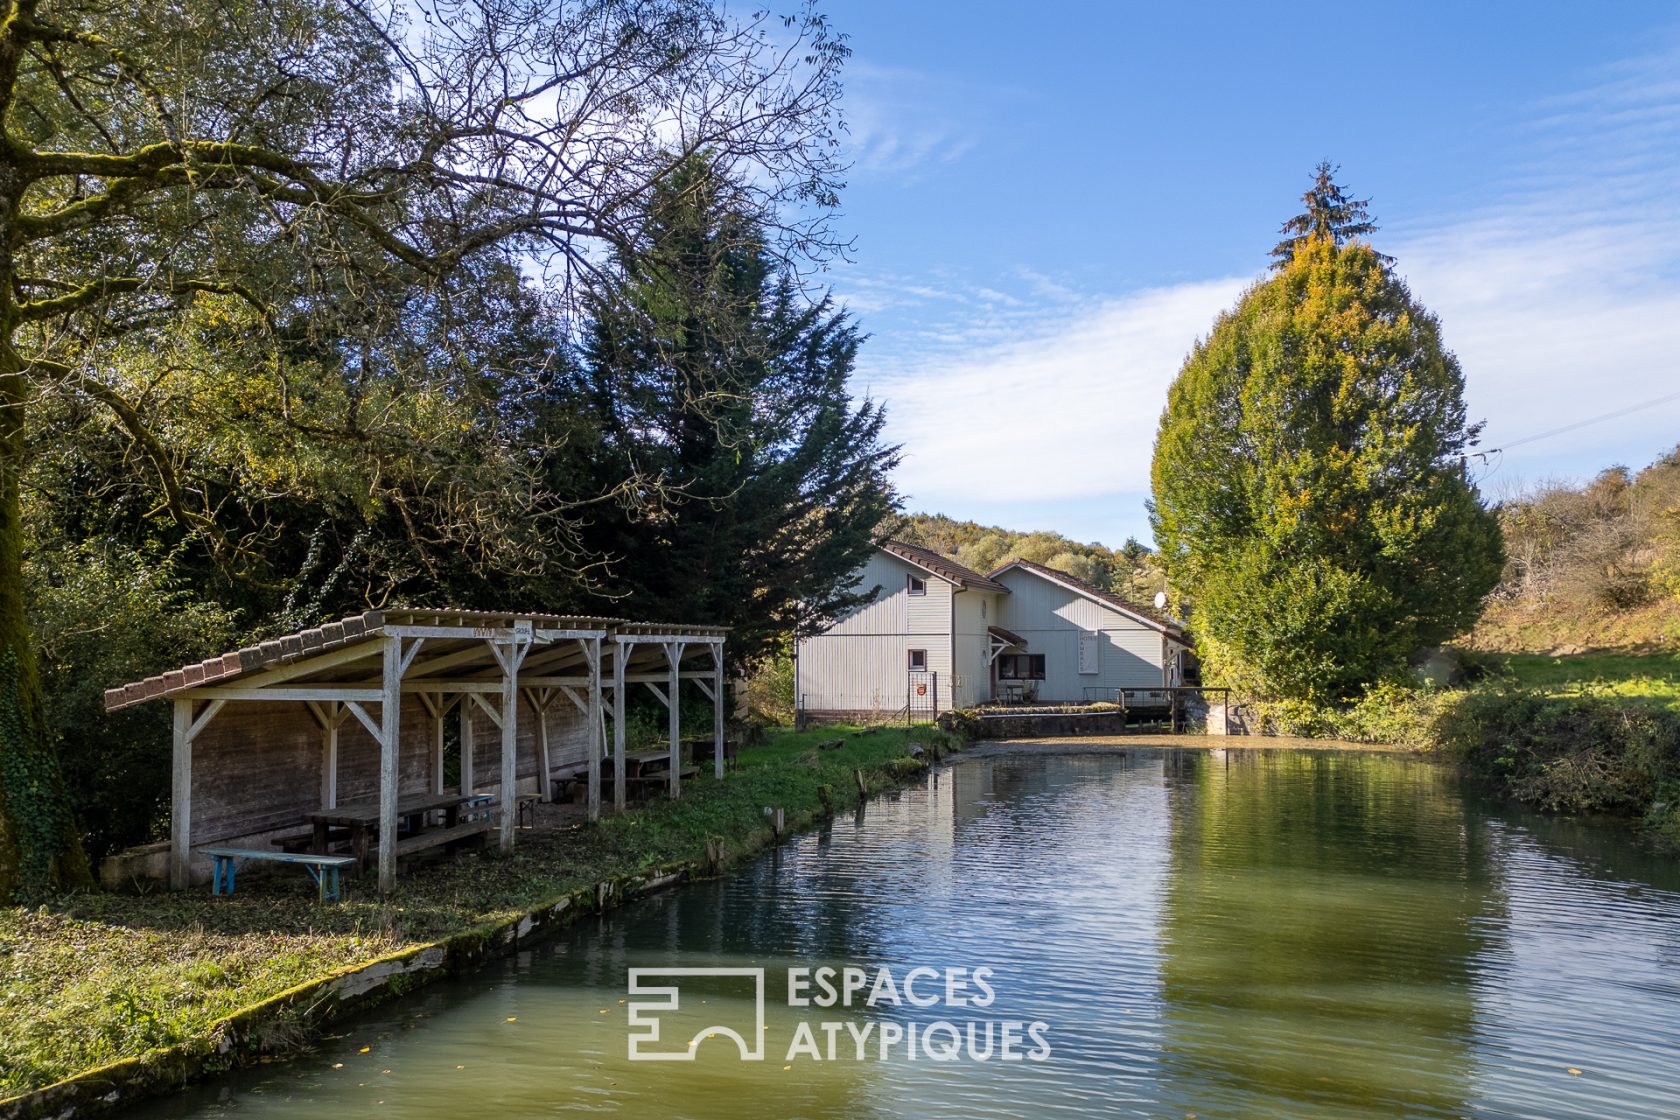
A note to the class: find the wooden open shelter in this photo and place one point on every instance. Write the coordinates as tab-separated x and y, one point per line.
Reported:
356	709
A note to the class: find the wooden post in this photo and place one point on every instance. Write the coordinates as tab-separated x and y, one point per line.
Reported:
717	710
621	652
673	714
545	779
390	732
469	780
329	759
180	805
439	707
510	659
592	650
862	783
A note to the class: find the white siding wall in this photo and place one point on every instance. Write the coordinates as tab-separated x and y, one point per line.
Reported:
1052	618
860	664
976	610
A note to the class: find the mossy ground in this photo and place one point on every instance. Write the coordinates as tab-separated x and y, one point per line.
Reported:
98	977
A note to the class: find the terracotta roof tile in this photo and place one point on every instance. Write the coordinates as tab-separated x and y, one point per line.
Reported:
942	566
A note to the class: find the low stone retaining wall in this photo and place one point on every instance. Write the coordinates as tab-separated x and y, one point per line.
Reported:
1046	725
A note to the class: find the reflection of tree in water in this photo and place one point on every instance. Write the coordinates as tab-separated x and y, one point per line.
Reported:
1320	921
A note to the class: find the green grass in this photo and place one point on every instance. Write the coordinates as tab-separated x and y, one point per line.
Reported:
101	977
1650	678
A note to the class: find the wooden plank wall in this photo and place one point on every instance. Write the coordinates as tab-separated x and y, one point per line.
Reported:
257	765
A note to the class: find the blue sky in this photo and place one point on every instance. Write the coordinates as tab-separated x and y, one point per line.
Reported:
1051	202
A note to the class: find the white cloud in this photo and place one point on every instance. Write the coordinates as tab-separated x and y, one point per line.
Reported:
1561	299
1067	409
904	122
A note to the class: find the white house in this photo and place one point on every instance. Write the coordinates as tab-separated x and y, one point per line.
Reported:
938	635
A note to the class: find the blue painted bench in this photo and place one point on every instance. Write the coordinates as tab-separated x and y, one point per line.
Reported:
323	869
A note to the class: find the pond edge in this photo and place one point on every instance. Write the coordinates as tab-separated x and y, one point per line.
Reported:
286	1024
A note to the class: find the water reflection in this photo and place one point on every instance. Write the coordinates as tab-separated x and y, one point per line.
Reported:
1244	934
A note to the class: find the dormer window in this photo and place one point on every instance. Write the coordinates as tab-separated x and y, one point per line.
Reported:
915	585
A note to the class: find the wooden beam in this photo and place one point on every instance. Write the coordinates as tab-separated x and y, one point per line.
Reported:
706	689
618	733
375	727
437	687
670	639
592	650
673	713
659	692
545	780
408	657
579	702
495	716
469	778
717	691
510	658
318	663
205	717
437	712
390	740
180	796
329	718
302	692
540	681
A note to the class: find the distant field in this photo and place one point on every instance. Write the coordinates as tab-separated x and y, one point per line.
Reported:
1652	678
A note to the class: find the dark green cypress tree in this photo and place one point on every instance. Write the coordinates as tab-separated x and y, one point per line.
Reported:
710	383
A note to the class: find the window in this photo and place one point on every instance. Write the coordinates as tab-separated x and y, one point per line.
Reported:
982	610
918	661
915	585
1021	667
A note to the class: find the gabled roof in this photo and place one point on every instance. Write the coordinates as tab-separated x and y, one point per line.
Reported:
1073	583
945	569
299	656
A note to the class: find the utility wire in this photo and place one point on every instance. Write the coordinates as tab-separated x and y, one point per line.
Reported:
1632	408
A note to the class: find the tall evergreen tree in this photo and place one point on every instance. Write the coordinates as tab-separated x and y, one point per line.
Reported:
1331	215
721	392
1310	502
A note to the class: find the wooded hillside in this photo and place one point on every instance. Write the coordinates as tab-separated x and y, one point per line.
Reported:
1591	566
1129	570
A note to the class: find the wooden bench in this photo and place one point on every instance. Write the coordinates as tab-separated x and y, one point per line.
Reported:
323	869
441	837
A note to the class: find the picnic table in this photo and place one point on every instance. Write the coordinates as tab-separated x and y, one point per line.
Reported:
362	820
644	769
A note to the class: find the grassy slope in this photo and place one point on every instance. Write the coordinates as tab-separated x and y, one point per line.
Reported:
1649	678
104	976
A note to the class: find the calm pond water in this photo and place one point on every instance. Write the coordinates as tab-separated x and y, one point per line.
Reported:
1233	934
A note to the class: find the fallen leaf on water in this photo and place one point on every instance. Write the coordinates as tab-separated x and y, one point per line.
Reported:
787	1067
365	1049
384	1071
338	1065
460	1067
513	1018
1574	1071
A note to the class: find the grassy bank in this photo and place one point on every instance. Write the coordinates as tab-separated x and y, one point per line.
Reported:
1640	678
1587	735
101	977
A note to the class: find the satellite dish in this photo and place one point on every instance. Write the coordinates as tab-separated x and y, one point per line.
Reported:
1160	600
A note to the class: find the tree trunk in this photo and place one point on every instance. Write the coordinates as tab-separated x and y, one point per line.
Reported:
40	847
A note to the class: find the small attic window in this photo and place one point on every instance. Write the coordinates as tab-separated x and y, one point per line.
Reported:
915	585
